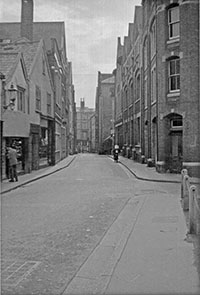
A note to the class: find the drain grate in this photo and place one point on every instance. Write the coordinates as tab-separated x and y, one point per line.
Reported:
165	219
13	272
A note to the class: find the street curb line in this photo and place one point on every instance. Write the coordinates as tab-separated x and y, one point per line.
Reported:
148	179
36	178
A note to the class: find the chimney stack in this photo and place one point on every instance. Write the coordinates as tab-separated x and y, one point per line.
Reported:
27	19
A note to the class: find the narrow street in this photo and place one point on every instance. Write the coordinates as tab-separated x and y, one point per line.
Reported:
57	221
52	226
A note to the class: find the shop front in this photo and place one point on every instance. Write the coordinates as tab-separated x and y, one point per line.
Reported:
15	132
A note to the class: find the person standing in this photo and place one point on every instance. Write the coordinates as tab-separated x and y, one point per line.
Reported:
12	156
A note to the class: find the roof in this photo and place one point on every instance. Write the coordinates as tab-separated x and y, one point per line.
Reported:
8	62
29	50
41	30
107	78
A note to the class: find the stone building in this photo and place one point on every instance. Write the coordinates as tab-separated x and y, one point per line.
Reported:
92	134
83	115
164	49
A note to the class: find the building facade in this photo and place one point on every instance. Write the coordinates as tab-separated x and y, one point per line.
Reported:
14	109
50	88
157	86
83	115
104	108
92	134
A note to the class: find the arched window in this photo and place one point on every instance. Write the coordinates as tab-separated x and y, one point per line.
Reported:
153	38
145	53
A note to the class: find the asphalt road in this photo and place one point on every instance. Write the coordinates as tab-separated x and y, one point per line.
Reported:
51	226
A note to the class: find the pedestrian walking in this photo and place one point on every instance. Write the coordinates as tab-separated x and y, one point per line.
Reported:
12	156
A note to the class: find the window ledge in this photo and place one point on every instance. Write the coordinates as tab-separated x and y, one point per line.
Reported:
137	100
171	41
153	102
38	111
173	94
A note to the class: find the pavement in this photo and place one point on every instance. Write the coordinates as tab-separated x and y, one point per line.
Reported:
24	179
147	250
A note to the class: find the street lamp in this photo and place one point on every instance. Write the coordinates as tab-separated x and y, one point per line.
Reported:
12	90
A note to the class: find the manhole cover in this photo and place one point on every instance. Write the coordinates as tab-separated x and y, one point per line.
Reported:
165	219
13	272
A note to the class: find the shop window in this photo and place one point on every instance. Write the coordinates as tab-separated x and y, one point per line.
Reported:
173	22
174	74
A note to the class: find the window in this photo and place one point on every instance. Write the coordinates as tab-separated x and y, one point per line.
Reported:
153	84
173	22
176	123
153	39
138	131
21	99
48	103
38	98
174	74
125	98
138	87
145	91
43	66
145	54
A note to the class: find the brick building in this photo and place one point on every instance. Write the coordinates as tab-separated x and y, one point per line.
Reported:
83	115
160	56
104	108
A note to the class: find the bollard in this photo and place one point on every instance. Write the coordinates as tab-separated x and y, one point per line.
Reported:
185	199
183	172
196	208
191	209
143	159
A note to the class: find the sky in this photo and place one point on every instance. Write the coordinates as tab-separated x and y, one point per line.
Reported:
92	28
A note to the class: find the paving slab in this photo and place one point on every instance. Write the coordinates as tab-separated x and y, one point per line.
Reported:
157	259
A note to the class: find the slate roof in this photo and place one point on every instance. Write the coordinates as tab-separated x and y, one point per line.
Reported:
109	80
8	62
41	30
104	77
29	50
